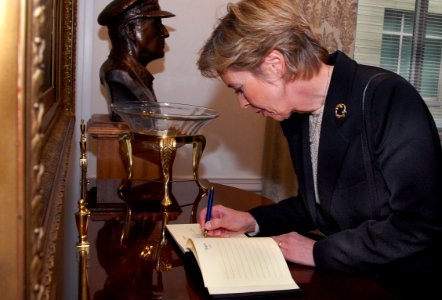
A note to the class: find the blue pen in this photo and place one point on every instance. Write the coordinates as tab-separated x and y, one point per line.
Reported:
209	207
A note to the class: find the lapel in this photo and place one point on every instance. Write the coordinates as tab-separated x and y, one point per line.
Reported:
336	135
296	131
336	132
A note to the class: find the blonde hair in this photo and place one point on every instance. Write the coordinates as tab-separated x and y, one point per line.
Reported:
251	29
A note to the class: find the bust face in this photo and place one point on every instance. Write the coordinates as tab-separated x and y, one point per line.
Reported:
150	35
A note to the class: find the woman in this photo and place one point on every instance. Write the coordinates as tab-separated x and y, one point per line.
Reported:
384	224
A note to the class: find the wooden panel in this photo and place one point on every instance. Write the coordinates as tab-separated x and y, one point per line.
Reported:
146	162
11	213
37	82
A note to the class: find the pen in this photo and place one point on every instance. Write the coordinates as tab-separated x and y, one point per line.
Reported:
209	207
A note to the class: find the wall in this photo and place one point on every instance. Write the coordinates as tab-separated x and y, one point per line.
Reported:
233	153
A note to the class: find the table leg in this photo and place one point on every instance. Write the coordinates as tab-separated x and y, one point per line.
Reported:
199	143
124	238
126	150
167	154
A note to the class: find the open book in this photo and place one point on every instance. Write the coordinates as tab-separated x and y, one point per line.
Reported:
238	266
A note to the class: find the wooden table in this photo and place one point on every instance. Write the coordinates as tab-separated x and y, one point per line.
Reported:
117	271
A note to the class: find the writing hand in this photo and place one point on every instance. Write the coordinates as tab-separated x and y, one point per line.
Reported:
226	221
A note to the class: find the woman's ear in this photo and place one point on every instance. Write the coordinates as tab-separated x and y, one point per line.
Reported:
274	63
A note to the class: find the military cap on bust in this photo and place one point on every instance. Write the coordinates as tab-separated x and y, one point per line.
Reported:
131	9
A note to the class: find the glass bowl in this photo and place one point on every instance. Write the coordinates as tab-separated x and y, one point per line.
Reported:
163	118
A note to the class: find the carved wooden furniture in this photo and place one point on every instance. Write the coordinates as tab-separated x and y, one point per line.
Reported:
37	80
110	164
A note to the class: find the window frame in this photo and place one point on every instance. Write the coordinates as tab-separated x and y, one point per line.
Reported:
370	34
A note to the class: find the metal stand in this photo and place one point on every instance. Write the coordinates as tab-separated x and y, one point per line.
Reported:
167	146
82	221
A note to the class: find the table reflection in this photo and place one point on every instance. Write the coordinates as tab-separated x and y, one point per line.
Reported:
131	247
134	270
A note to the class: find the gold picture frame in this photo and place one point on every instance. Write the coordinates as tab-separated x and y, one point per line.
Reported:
49	97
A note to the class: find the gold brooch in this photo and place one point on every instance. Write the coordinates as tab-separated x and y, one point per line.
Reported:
340	111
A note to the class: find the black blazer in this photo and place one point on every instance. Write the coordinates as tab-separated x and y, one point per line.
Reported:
400	228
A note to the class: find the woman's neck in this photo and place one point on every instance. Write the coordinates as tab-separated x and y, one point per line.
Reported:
309	95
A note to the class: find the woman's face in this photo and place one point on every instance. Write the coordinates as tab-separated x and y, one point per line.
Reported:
266	96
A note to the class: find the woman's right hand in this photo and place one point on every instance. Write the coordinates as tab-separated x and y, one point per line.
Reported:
226	221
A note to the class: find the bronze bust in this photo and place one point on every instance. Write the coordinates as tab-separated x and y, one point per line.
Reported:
138	37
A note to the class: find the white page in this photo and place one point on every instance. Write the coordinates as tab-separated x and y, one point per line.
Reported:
183	232
242	265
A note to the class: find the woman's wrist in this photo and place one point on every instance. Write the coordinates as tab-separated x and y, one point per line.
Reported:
252	225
